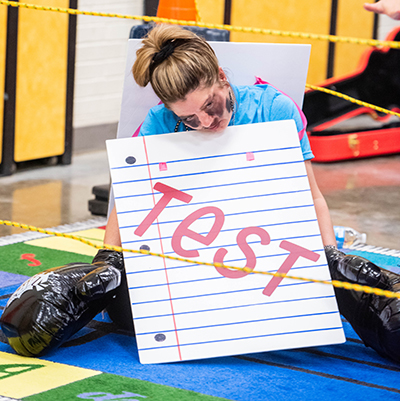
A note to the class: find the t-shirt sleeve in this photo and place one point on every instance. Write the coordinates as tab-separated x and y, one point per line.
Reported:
151	125
306	148
283	108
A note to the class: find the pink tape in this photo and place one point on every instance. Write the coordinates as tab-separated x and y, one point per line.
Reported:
136	133
249	156
303	117
163	166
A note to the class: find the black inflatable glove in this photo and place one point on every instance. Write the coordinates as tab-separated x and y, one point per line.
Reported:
103	279
53	305
374	318
119	309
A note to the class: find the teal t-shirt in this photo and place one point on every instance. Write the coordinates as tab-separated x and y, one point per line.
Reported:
254	104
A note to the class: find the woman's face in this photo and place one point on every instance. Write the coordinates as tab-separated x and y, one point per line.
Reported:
206	108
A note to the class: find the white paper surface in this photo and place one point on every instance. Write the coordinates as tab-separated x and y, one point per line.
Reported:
246	185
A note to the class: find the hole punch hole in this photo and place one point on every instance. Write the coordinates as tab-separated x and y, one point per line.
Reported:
130	160
160	337
163	166
250	156
145	248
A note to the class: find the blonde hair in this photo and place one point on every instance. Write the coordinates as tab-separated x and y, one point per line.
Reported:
192	64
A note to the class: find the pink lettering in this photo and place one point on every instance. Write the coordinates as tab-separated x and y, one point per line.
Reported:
296	252
251	259
184	231
169	194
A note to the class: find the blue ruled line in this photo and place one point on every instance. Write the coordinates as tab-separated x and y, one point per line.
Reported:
205	157
218	200
222	231
232	214
231	245
244	338
238	323
220	185
206	172
235	307
197	281
177	282
230	261
215	293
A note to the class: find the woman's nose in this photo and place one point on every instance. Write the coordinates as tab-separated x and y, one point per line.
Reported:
205	119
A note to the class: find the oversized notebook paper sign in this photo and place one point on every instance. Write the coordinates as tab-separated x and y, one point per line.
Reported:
200	196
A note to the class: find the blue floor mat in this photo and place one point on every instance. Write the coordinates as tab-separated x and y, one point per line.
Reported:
348	370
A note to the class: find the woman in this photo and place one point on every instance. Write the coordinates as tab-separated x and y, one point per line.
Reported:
184	73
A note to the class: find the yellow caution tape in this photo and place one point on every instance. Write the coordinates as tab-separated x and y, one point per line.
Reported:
335	283
232	28
352	99
331	38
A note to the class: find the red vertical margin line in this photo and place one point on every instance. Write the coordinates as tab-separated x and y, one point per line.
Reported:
162	251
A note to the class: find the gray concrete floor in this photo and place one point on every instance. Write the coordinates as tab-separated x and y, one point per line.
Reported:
363	194
49	196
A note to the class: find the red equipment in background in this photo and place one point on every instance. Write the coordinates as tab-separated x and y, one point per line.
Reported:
376	81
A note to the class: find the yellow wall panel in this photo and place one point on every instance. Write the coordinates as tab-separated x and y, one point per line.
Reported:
3	38
211	11
352	21
287	15
41	82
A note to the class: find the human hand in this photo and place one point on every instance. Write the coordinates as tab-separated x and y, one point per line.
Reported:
389	7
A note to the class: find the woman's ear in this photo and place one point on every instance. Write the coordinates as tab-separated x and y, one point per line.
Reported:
222	75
